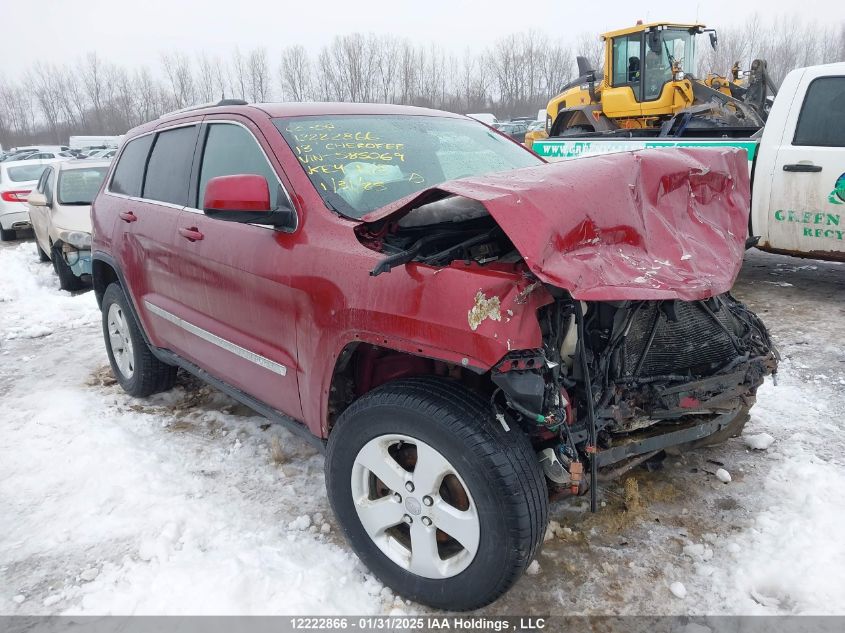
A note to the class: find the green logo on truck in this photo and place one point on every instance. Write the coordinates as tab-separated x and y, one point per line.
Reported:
837	196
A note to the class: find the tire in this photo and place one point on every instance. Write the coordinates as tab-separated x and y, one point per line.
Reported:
134	366
42	256
67	280
505	492
7	235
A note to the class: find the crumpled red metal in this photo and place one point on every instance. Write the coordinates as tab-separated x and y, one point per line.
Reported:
651	224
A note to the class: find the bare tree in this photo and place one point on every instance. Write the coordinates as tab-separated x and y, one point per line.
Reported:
238	75
149	103
385	68
94	80
409	72
47	86
206	80
177	67
295	74
259	75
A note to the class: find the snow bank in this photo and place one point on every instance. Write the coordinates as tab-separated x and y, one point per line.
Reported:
792	559
31	303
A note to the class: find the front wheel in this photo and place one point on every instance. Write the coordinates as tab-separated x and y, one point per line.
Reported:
441	501
67	279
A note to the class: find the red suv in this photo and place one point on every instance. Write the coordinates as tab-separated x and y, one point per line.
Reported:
465	329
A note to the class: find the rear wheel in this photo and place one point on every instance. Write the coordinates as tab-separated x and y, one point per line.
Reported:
137	370
7	235
67	279
440	501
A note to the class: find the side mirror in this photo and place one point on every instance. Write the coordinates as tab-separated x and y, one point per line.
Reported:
37	199
714	39
653	38
245	198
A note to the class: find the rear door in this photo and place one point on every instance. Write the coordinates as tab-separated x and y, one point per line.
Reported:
237	299
807	199
152	180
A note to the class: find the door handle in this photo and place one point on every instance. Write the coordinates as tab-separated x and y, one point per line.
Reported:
128	216
191	234
802	167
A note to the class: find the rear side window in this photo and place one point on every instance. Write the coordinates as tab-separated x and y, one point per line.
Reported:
230	150
42	181
822	119
169	169
129	172
26	173
48	185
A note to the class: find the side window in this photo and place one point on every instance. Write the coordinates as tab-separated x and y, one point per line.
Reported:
129	172
626	60
229	150
48	184
169	168
42	181
822	118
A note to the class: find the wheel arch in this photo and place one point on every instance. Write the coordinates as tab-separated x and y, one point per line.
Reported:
104	272
362	366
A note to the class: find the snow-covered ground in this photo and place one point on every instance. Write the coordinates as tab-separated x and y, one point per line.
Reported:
187	503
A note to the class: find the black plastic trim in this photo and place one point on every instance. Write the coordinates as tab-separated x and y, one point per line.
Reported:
665	440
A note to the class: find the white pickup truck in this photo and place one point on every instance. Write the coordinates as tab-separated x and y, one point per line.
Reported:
797	165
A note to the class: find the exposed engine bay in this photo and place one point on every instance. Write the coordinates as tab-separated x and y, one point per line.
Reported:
649	375
440	232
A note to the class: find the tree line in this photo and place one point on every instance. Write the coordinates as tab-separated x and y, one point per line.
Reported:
515	76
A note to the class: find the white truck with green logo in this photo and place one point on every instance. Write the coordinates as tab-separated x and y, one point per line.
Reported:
797	165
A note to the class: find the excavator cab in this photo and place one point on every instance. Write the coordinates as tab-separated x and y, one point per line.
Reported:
645	68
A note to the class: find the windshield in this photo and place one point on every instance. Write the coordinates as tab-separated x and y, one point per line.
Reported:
678	47
25	173
80	186
360	163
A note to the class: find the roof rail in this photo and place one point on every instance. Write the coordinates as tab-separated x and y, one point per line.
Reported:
210	104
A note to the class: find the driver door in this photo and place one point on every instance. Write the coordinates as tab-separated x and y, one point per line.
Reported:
235	276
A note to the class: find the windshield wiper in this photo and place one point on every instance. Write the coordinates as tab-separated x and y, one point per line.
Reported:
448	254
403	257
440	257
408	255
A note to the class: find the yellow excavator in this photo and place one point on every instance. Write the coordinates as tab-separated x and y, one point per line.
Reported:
648	88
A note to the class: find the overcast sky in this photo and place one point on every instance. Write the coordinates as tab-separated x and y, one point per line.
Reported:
137	32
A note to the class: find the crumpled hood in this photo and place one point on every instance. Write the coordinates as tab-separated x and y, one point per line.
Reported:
651	224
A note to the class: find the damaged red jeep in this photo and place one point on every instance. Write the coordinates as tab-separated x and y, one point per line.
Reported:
465	329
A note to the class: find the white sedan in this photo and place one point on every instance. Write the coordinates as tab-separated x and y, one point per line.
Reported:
17	179
60	212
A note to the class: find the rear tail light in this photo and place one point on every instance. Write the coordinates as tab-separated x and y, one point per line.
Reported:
15	196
